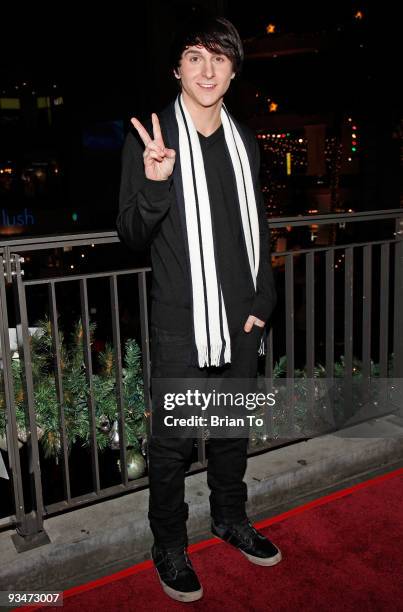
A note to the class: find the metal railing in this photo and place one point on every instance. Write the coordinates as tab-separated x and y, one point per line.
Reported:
379	260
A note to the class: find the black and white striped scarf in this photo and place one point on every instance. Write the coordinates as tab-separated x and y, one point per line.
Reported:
211	332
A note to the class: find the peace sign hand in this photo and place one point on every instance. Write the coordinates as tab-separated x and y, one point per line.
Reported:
158	160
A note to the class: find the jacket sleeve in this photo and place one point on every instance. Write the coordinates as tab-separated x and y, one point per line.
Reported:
266	295
143	203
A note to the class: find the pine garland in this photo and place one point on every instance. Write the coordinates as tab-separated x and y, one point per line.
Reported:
76	391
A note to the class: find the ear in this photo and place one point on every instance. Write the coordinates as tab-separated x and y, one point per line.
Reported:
233	74
177	76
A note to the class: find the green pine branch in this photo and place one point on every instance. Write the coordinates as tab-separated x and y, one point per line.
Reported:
76	391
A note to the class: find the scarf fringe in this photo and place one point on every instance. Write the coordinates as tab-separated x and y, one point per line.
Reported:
215	355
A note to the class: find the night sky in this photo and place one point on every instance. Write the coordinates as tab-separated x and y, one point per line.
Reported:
112	63
109	57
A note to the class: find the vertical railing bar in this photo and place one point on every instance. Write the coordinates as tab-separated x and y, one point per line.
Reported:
59	389
398	302
119	377
145	347
366	315
269	366
348	330
7	261
85	321
310	336
11	430
310	315
24	350
269	374
384	312
348	310
289	331
330	313
289	295
329	331
201	451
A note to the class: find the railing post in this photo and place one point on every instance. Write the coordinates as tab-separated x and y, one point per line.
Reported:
145	349
398	305
30	532
11	421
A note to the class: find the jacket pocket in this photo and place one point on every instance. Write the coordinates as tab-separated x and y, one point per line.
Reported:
171	347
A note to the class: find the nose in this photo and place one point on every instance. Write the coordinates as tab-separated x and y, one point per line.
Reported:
208	68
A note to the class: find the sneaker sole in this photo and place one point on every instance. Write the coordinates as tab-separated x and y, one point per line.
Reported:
265	562
180	595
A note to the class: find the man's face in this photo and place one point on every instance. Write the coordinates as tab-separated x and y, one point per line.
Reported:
205	76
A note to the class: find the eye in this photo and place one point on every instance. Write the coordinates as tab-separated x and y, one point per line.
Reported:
194	57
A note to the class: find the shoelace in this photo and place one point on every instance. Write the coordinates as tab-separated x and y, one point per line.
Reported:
246	530
178	559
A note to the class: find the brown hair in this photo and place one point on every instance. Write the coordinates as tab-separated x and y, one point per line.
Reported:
216	34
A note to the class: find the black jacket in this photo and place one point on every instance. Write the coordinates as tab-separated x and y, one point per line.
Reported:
149	216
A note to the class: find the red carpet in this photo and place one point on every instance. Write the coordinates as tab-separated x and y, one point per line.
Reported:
343	551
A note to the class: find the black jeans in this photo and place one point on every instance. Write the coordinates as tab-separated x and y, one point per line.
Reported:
170	458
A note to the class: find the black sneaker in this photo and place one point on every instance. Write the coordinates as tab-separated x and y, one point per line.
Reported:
176	573
254	545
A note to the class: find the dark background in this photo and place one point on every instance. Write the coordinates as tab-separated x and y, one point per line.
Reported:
112	63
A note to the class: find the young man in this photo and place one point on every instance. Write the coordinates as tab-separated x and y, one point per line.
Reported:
190	190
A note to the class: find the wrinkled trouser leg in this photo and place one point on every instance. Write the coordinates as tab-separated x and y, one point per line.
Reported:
169	458
227	457
168	512
227	461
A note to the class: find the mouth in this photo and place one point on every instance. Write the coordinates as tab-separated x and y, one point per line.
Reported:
207	86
